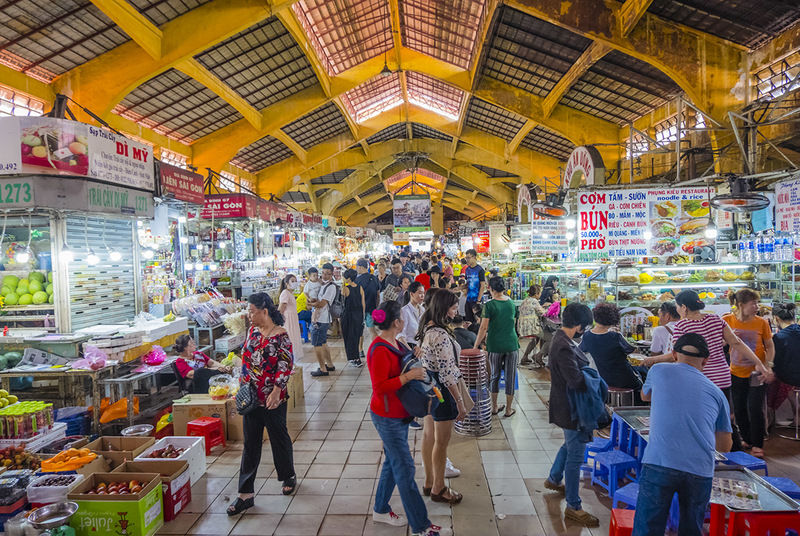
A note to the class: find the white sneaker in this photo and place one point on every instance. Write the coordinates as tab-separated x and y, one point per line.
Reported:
450	471
390	519
434	530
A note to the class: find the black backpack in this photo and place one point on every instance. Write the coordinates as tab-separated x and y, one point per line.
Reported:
419	397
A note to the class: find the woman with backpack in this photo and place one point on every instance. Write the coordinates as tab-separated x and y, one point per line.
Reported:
440	353
391	421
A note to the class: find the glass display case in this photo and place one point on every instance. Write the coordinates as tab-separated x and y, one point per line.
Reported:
578	281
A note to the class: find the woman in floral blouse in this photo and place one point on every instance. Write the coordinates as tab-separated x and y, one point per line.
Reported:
529	324
266	364
440	353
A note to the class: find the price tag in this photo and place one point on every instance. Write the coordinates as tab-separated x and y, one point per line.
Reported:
16	193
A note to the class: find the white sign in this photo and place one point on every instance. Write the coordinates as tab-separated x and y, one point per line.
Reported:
521	238
118	160
498	239
548	236
613	223
787	206
585	160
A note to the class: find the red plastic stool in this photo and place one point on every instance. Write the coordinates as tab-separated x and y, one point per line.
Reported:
621	522
763	523
210	428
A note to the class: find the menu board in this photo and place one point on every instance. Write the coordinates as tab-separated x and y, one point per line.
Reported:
520	238
613	223
787	206
548	236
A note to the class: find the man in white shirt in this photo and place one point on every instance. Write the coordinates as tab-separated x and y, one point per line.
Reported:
321	318
662	335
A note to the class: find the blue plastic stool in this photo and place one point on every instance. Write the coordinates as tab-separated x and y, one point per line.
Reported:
600	444
629	495
746	460
304	330
609	467
788	487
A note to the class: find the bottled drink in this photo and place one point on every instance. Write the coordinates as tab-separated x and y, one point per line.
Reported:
760	247
751	248
742	247
769	246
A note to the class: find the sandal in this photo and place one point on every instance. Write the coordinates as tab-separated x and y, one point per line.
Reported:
426	491
240	505
454	496
499	409
513	411
291	484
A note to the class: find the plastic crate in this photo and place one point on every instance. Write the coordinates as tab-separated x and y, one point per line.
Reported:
195	453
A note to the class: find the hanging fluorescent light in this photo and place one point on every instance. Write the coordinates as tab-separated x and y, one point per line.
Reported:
148	254
66	255
184	240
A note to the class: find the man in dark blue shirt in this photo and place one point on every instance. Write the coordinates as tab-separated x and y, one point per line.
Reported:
475	277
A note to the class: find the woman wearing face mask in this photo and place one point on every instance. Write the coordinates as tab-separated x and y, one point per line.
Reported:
287	305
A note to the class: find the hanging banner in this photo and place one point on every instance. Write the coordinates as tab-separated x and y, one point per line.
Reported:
548	235
401	239
481	241
412	213
613	223
45	145
787	206
269	211
229	206
521	238
180	184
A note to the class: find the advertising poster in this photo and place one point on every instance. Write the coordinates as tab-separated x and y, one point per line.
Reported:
613	223
498	239
481	241
787	206
412	213
44	145
466	243
548	235
521	238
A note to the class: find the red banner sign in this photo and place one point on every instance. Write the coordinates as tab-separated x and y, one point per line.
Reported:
181	184
481	241
229	206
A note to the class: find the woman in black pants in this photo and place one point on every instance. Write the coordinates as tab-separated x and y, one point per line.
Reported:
266	364
353	317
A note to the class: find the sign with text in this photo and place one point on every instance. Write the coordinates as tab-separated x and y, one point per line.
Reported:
787	206
115	200
180	184
45	145
481	241
548	235
16	193
229	206
412	213
521	238
613	223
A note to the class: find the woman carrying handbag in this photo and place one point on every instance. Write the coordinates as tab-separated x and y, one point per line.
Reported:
266	366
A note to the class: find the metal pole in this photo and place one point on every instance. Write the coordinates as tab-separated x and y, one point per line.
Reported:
678	140
630	149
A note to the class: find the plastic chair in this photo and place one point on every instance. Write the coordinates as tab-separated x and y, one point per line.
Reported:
785	485
763	523
616	396
183	383
621	522
746	460
600	444
627	495
210	428
609	467
304	330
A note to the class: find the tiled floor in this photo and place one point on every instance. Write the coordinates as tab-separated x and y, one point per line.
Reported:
337	455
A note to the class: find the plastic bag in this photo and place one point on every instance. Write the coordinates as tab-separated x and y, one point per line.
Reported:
93	359
554	311
155	356
117	410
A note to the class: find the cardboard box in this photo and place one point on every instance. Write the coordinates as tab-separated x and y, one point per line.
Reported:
295	388
117	449
175	485
195	454
193	407
140	514
236	423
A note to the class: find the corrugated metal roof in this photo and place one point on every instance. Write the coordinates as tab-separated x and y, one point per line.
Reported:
261	154
493	119
444	29
263	64
49	38
420	131
296	197
397	131
529	53
322	124
160	12
346	32
333	178
494	173
747	22
373	97
433	94
620	88
546	141
178	106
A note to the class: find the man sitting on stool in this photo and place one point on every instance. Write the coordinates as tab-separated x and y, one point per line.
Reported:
689	419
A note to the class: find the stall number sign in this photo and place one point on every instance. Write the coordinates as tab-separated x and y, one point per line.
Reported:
16	193
116	200
612	223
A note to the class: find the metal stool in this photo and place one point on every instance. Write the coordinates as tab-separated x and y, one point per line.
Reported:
796	436
478	422
616	397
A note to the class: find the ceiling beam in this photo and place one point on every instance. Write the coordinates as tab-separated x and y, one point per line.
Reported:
630	14
513	145
143	32
490	8
590	56
287	140
289	20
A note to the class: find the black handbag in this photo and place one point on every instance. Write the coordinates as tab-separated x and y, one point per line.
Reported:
246	399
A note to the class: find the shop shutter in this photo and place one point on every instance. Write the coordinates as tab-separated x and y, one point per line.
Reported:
106	292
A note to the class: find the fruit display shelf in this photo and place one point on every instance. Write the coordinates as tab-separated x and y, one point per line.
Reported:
37	442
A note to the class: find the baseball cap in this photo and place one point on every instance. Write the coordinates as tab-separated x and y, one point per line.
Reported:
692	340
362	263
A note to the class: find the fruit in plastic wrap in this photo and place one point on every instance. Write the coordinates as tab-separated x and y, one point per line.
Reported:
729	276
747	275
696	277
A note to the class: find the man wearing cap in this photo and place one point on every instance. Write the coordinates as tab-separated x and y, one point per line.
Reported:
408	267
689	420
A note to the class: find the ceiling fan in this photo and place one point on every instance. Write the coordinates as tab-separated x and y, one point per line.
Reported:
741	199
552	207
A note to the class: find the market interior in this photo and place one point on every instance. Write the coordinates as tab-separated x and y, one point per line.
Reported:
167	164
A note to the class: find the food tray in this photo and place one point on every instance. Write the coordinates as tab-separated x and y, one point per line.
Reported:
51	494
38	442
770	497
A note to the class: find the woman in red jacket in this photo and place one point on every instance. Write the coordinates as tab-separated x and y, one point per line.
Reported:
391	420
